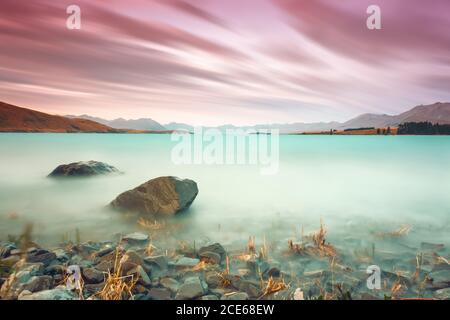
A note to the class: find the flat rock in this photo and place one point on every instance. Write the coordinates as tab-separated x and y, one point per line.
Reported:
442	294
170	283
159	294
163	196
235	296
215	248
53	294
136	238
193	287
186	262
83	169
92	275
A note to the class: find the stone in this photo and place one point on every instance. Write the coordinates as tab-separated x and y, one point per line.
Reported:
186	262
170	283
83	169
163	196
442	294
136	238
9	261
54	270
41	255
252	288
212	279
92	275
143	277
159	294
37	283
193	287
235	296
105	266
53	294
132	257
5	249
209	297
273	272
210	257
104	251
160	261
215	248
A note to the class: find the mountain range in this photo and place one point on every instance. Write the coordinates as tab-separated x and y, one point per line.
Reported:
434	113
13	118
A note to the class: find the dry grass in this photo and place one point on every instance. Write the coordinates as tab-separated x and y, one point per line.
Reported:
117	287
224	281
272	286
251	248
317	245
151	225
400	232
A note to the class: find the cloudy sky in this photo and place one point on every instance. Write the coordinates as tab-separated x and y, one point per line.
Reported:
224	61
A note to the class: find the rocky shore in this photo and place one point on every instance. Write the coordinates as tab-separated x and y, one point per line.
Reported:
135	267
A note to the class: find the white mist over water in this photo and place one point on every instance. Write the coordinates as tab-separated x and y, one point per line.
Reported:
357	184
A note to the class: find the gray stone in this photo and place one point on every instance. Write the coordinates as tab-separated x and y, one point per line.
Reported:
209	297
159	294
53	294
142	275
136	238
37	283
170	283
159	261
83	169
210	257
41	255
235	296
92	275
5	249
192	287
442	294
215	248
163	196
185	262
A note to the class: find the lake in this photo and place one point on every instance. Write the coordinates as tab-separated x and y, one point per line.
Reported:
356	184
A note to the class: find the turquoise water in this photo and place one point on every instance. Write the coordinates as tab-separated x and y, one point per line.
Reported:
356	184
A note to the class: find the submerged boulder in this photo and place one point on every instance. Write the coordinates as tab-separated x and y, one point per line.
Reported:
163	196
83	169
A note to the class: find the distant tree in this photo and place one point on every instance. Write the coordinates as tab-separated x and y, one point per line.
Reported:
423	128
378	131
388	130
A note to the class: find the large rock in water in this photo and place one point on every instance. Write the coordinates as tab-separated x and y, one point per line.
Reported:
83	169
162	196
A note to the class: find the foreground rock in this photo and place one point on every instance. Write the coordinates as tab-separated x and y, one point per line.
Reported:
53	294
163	196
83	169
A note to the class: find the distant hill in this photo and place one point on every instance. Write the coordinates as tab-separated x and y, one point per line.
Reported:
17	119
14	118
435	113
146	124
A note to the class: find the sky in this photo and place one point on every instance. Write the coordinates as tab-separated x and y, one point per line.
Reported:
213	62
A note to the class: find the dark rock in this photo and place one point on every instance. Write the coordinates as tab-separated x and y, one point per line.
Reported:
54	294
442	294
217	249
252	288
93	288
192	287
209	297
159	294
186	262
210	257
92	275
5	250
141	275
431	246
273	272
163	196
83	169
37	283
136	238
170	283
235	296
161	262
41	255
104	251
54	270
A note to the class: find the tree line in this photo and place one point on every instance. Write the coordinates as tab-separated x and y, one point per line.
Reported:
423	128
